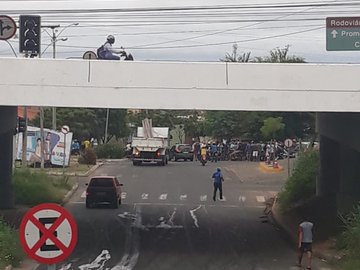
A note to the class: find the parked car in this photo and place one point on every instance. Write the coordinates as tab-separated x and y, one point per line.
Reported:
103	189
181	151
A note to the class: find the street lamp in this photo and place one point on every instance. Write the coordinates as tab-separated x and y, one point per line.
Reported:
55	38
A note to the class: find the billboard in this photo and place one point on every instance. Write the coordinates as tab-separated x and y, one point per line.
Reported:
53	146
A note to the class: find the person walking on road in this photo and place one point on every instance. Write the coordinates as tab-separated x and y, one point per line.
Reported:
218	179
305	237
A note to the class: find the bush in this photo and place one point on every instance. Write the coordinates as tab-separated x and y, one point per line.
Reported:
301	186
110	150
10	250
32	188
88	157
350	238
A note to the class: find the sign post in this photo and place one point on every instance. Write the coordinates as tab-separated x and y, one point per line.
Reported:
343	34
48	234
65	130
288	143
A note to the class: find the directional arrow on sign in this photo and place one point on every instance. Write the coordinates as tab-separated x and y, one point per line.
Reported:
334	33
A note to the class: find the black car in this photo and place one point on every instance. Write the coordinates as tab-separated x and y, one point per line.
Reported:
103	189
181	151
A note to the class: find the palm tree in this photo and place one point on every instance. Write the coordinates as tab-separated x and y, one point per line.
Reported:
234	57
278	55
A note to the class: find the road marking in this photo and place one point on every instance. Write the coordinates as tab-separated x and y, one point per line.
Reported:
183	197
163	197
123	195
83	195
203	198
260	199
145	196
242	198
192	213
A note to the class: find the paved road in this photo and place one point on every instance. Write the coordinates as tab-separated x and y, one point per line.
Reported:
168	220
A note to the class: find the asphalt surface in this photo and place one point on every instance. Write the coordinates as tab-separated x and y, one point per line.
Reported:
168	220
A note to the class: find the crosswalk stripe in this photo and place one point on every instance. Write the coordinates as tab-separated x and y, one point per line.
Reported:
184	197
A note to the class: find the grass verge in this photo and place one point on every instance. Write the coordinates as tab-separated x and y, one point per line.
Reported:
10	250
32	188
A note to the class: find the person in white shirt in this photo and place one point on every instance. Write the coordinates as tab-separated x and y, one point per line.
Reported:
305	241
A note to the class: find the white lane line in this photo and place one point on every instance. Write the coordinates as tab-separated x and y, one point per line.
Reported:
260	199
83	195
242	199
98	263
203	198
163	197
144	196
192	213
123	195
183	197
223	199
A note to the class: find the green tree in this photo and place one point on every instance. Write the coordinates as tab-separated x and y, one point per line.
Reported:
86	123
273	127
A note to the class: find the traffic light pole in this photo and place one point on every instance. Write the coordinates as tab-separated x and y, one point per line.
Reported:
8	116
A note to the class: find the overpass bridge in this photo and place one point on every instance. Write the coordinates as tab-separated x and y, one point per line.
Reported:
333	91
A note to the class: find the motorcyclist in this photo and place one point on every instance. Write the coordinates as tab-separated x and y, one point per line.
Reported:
109	52
203	153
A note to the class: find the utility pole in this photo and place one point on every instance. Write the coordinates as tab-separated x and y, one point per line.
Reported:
24	140
106	124
55	38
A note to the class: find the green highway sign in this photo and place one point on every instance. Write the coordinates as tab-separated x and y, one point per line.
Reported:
343	34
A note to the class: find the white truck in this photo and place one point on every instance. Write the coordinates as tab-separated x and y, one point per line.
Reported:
152	148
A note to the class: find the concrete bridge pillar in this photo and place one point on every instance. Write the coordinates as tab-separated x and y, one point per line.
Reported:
8	117
339	176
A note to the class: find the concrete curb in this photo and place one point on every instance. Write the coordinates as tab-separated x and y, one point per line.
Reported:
266	168
70	193
87	173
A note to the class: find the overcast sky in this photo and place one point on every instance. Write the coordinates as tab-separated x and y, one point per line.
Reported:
188	30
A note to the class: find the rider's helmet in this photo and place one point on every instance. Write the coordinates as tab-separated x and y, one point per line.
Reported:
111	39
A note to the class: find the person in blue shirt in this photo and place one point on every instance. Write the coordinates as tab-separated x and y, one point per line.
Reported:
218	179
214	150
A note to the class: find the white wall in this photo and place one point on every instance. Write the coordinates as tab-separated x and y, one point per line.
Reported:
176	85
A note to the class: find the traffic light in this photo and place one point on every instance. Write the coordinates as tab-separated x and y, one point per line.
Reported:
21	124
30	34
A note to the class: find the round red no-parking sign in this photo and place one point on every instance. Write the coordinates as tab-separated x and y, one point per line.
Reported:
48	233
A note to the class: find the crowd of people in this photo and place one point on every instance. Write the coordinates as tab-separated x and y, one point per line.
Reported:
243	150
